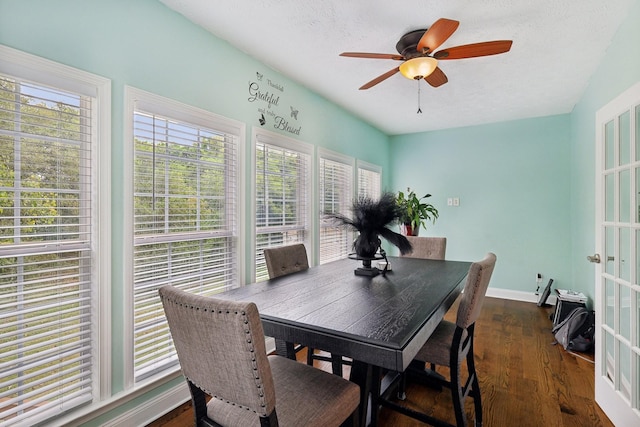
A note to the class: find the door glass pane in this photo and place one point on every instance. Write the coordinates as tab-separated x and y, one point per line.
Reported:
638	132
625	190
610	299
609	254
637	384
638	319
637	207
624	311
624	254
638	258
625	370
609	197
608	366
608	145
625	138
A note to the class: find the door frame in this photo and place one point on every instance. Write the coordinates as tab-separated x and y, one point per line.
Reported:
619	410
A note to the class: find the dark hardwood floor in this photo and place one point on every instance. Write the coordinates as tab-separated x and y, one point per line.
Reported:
525	380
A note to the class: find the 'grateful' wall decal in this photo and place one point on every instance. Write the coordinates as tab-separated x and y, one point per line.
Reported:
268	94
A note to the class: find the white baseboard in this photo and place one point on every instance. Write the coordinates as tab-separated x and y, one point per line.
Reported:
518	295
153	408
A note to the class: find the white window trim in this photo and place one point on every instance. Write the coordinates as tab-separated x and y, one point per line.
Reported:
30	67
170	108
340	158
291	144
361	164
327	154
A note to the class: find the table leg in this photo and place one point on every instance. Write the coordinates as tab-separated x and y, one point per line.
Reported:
286	349
336	364
361	374
375	394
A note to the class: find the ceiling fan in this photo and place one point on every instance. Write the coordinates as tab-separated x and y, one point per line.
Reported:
416	50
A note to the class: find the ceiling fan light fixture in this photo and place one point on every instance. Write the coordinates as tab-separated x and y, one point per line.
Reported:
418	68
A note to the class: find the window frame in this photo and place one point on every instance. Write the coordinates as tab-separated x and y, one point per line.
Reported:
332	156
24	66
180	111
260	135
362	165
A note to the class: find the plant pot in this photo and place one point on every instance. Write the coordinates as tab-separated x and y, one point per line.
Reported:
408	230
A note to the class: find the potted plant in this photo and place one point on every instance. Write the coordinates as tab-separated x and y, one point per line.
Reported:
414	212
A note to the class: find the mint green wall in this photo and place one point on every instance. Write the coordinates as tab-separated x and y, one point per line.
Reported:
525	187
539	214
512	180
143	44
619	70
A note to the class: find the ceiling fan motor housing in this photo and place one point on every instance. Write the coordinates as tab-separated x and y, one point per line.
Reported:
407	45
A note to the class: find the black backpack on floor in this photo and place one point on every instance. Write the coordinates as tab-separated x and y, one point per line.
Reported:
576	331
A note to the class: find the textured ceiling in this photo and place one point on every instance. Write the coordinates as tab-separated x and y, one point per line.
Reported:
557	46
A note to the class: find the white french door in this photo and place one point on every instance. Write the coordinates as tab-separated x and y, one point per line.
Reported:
617	275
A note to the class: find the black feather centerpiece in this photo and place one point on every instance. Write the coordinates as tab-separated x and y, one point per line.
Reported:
372	218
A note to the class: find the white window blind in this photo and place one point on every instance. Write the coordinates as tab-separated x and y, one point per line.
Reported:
47	145
369	180
336	197
282	197
185	218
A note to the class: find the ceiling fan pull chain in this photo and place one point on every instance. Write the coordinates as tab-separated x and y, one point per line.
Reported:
419	109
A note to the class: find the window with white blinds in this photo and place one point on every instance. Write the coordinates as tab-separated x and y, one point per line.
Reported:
369	180
48	229
185	217
283	174
336	197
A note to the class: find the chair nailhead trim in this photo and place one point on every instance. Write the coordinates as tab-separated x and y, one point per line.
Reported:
251	350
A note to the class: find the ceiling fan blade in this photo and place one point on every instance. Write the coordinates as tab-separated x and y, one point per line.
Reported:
475	49
379	78
437	78
439	32
373	55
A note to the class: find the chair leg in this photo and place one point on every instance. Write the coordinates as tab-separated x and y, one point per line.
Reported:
457	395
310	356
475	387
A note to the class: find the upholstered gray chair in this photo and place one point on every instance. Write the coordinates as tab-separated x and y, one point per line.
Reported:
427	247
284	260
452	343
221	349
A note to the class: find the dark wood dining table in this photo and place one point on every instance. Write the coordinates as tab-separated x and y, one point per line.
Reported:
379	322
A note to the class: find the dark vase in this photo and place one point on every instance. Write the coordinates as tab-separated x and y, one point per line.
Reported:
366	245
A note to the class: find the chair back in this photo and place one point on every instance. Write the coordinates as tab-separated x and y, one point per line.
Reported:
474	290
221	348
285	260
427	247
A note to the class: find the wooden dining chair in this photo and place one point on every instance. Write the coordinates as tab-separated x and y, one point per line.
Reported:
427	247
284	260
221	349
451	344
